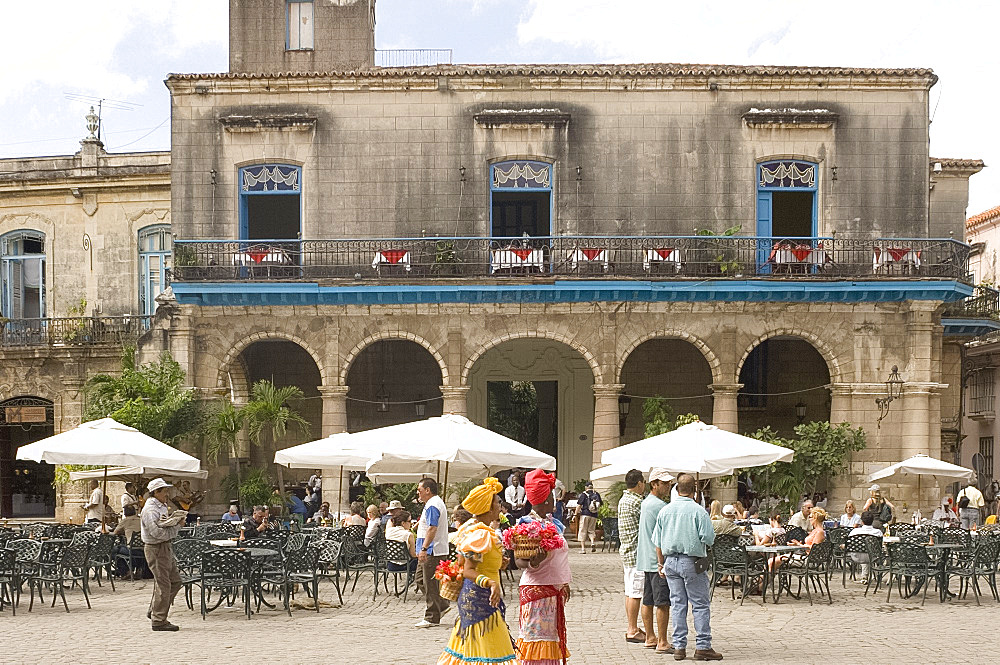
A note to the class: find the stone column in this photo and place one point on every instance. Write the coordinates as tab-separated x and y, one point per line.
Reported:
725	414
606	429
455	400
840	403
334	409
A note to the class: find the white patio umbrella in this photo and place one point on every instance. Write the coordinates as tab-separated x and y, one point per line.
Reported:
130	473
704	451
336	451
106	442
616	472
914	469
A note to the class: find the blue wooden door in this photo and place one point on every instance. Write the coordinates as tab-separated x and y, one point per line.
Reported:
763	232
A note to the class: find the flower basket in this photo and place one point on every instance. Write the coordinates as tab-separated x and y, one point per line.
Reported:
526	547
449	589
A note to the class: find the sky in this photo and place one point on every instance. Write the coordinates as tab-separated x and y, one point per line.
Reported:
122	50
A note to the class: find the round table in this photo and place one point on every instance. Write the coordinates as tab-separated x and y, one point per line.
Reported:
946	550
770	551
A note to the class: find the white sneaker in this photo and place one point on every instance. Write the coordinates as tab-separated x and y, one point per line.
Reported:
424	623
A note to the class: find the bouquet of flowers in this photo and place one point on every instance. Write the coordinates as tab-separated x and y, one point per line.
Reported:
449	574
527	538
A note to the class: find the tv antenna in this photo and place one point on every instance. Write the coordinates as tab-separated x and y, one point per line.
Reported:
101	103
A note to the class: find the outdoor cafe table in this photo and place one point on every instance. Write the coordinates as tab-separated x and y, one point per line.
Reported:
945	549
771	571
257	555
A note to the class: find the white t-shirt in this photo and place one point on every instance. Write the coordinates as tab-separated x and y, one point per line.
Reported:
439	546
96	503
852	520
975	497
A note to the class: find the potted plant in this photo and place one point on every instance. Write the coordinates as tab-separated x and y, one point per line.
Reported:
446	260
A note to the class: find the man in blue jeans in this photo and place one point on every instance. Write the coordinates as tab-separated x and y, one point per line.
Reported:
682	534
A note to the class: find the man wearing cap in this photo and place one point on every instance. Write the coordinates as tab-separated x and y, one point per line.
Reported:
879	506
158	530
393	509
629	508
727	525
655	592
587	505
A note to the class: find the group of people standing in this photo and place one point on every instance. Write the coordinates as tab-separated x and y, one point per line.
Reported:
664	548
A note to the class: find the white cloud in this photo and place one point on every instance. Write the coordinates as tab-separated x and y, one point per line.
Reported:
956	40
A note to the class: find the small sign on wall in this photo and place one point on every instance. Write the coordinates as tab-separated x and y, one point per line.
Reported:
25	414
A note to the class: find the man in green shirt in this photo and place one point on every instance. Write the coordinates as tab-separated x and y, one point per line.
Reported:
655	592
682	535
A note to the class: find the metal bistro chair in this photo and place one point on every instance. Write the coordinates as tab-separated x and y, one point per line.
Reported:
88	537
395	561
853	545
897	528
730	557
795	533
878	561
227	571
8	579
357	558
355	532
71	568
838	537
188	553
299	567
983	563
102	558
611	538
909	562
813	569
328	563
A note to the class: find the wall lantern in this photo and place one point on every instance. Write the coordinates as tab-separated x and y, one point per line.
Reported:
800	412
382	397
420	408
893	390
624	404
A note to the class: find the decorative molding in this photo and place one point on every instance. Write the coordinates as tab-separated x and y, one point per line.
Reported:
282	178
521	174
786	174
490	118
791	118
255	123
159	213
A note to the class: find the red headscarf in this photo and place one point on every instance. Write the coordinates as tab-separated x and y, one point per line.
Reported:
538	486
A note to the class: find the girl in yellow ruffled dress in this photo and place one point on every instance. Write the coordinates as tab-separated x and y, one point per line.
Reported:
481	635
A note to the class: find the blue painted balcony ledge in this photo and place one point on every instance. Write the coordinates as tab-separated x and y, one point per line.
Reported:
210	294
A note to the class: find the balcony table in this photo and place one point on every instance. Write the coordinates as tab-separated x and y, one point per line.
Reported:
905	258
391	257
588	255
798	258
264	257
661	255
516	259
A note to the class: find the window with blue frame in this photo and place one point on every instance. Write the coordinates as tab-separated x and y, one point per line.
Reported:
270	202
155	252
299	33
22	275
786	198
520	199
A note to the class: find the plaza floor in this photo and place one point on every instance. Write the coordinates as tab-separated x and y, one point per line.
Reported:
854	629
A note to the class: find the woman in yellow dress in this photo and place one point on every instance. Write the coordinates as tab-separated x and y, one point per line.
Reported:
481	635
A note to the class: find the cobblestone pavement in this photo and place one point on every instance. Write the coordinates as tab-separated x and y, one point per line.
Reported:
854	629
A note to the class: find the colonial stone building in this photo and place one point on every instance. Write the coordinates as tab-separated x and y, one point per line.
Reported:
84	250
759	245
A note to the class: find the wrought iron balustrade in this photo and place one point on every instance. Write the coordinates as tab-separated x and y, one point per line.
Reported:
984	303
73	331
632	257
412	57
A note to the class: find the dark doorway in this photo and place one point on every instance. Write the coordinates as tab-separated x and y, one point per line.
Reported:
526	411
25	487
518	213
273	217
792	214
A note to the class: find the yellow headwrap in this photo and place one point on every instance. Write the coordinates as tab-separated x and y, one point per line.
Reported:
480	499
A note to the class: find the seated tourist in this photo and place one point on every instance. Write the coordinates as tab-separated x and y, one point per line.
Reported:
753	514
383	514
297	508
715	510
400	529
865	529
801	519
392	509
256	524
357	516
459	516
741	512
323	515
726	525
373	524
850	518
232	515
817	535
770	535
945	514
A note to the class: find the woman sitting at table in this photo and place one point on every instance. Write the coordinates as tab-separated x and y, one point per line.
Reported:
817	535
400	529
741	512
770	535
850	518
356	518
715	510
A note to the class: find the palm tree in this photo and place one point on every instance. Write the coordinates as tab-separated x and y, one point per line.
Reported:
268	416
220	428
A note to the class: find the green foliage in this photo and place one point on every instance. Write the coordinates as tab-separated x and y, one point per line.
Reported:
579	485
62	472
446	259
659	418
268	415
405	493
723	256
220	427
605	510
151	398
512	408
458	491
254	488
614	495
821	450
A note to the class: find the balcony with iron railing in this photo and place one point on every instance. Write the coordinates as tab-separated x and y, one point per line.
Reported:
73	331
567	257
984	303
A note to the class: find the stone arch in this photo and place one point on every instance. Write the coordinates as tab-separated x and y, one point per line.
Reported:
713	361
233	354
400	336
557	337
832	363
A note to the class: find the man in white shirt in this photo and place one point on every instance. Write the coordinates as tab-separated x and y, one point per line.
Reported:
866	529
514	496
95	506
432	548
158	529
801	518
971	514
128	498
316	483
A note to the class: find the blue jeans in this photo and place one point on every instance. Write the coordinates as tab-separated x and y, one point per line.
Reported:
688	586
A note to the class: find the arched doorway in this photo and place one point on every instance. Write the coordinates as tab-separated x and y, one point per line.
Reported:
25	487
284	363
540	392
392	381
674	369
784	383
